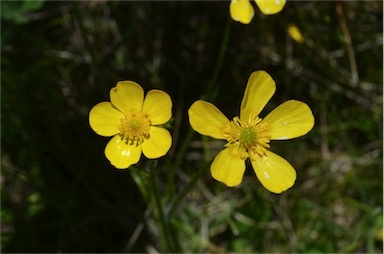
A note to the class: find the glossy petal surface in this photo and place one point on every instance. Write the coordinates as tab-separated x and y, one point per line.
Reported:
127	95
158	144
269	7
120	154
104	119
207	119
227	168
158	107
259	90
291	119
241	11
274	172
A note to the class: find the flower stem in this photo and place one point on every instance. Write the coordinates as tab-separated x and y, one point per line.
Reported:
140	182
209	93
186	189
159	208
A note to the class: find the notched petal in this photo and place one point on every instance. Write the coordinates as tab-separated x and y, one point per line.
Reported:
127	96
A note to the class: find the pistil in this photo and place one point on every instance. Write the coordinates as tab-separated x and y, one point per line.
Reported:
250	138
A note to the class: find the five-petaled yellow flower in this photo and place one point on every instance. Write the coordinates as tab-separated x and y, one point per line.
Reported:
248	136
242	10
134	122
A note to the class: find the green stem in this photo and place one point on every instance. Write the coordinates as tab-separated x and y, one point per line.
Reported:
136	175
219	64
183	148
348	42
209	94
209	90
159	207
186	189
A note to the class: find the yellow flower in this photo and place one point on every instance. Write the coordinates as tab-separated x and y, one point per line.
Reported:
248	136
242	10
134	123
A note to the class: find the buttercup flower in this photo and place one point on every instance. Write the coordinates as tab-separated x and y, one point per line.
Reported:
248	136
134	122
242	10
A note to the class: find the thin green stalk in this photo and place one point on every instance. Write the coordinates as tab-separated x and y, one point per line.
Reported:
183	148
159	208
209	93
136	175
186	189
348	42
219	64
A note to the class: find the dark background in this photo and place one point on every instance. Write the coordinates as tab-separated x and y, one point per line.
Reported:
59	59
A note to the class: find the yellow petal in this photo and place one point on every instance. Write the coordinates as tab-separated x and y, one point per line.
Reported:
269	7
274	172
291	119
228	168
104	119
127	95
158	144
241	11
259	90
207	119
158	107
120	154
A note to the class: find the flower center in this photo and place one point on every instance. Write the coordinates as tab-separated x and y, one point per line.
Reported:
134	128
247	136
250	138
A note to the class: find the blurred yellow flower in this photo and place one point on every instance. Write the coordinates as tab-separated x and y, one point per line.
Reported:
134	123
295	33
248	136
242	10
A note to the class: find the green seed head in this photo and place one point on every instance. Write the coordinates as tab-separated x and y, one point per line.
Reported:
247	136
134	124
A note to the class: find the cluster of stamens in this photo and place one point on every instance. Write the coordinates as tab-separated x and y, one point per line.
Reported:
250	138
134	128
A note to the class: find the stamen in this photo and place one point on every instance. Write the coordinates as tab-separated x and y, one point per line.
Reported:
134	128
250	138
